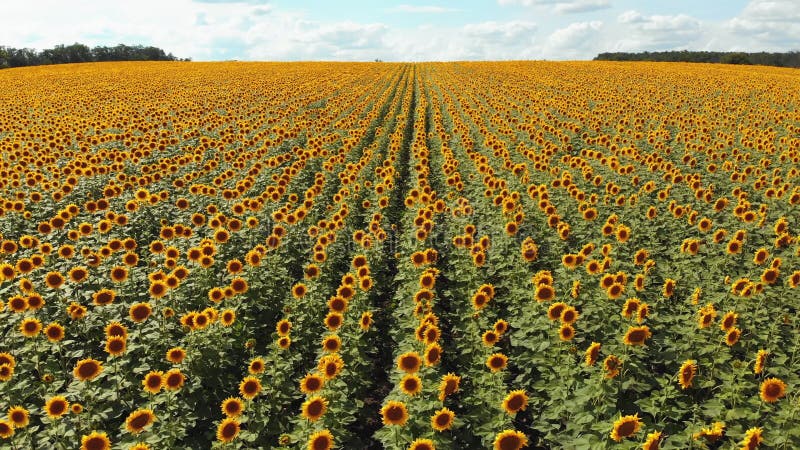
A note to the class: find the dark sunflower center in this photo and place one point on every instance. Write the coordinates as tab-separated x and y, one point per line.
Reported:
510	443
626	428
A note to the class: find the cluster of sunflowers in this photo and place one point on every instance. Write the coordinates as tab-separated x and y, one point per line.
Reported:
412	256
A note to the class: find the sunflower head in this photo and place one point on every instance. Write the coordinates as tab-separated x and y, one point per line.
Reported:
686	373
228	429
772	390
442	419
95	441
510	440
321	440
394	413
625	426
314	408
515	401
138	420
232	407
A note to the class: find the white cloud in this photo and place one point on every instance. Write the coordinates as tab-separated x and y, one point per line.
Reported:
581	6
770	25
562	6
485	40
422	9
578	40
657	32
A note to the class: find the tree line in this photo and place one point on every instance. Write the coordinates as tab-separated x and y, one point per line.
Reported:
788	59
78	53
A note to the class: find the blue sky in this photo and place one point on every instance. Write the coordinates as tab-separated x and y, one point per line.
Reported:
405	30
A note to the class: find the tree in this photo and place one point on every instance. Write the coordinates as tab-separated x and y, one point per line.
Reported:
78	53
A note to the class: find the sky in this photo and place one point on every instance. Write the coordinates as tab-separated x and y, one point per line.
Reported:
404	30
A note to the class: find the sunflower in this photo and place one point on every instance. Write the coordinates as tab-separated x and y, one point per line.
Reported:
636	336
118	274
772	390
6	429
284	342
87	369
311	383
544	293
232	407
669	288
592	353
569	315
652	442
153	382
732	336
54	280
330	365
615	291
334	320
612	365
7	359
95	441
496	362
227	317
321	440
734	247
566	332
176	355
299	290
139	312
555	309
366	321
174	379
728	321
712	434
515	401
644	310
138	420
54	332
449	385
418	259
770	276
314	408
625	426
433	354
411	384
489	338
394	413
158	289
17	304
78	274
501	326
250	387
761	360
115	345
239	285
510	440
228	429
30	327
794	278
104	297
337	304
6	372
752	439
442	419
56	407
479	301
18	416
686	373
409	362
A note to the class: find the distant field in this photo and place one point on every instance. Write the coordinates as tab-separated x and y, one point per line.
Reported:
373	255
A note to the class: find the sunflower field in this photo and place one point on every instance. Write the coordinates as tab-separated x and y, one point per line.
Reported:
578	255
